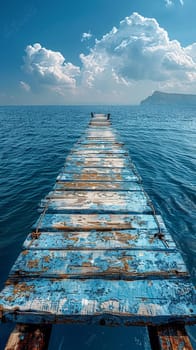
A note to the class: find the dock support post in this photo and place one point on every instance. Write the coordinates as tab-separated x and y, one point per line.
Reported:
31	337
169	337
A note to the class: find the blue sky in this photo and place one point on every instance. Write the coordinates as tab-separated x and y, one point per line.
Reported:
95	51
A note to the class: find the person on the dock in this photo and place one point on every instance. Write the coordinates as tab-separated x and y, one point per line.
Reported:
92	114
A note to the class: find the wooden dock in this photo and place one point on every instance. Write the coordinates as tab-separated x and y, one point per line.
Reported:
98	253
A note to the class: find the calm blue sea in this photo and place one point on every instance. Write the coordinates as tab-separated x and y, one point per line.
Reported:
34	142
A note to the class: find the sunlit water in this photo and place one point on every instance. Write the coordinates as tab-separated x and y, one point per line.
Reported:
34	142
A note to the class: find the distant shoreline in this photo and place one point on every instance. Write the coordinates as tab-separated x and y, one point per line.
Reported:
163	98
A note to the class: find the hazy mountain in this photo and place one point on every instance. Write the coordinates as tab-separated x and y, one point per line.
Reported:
170	98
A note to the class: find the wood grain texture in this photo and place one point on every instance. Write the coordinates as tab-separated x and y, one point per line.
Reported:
29	337
97	202
102	222
67	300
102	162
169	337
100	240
97	186
96	174
110	264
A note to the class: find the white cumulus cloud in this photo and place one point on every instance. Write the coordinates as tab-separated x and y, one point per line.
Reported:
49	67
135	57
139	49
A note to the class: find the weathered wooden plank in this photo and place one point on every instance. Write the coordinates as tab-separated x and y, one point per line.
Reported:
97	201
105	240
96	174
102	222
31	337
102	134
99	115
169	337
82	156
97	151
94	186
97	170
112	139
99	162
99	177
110	264
99	123
129	302
98	145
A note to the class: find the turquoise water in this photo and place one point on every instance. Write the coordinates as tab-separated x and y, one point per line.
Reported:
34	144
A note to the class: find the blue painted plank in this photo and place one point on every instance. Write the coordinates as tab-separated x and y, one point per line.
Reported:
82	151
100	133
98	145
110	264
97	201
105	240
99	162
97	170
74	222
101	144
111	139
128	302
92	174
99	123
94	186
100	137
97	156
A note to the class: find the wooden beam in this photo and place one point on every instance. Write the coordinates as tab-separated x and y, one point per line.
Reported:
29	337
169	337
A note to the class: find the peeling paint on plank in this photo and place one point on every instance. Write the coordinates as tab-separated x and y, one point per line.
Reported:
134	302
97	170
83	156
97	201
97	185
110	264
96	176
99	162
96	151
100	145
105	240
102	222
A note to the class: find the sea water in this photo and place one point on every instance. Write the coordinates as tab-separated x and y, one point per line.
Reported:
34	142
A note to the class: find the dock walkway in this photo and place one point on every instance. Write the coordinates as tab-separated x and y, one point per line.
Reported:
98	253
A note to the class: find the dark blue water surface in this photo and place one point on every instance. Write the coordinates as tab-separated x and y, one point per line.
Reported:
34	142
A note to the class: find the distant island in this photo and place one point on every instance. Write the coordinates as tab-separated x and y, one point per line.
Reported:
163	98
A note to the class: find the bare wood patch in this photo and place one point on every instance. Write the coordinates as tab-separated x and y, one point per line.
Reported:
29	337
